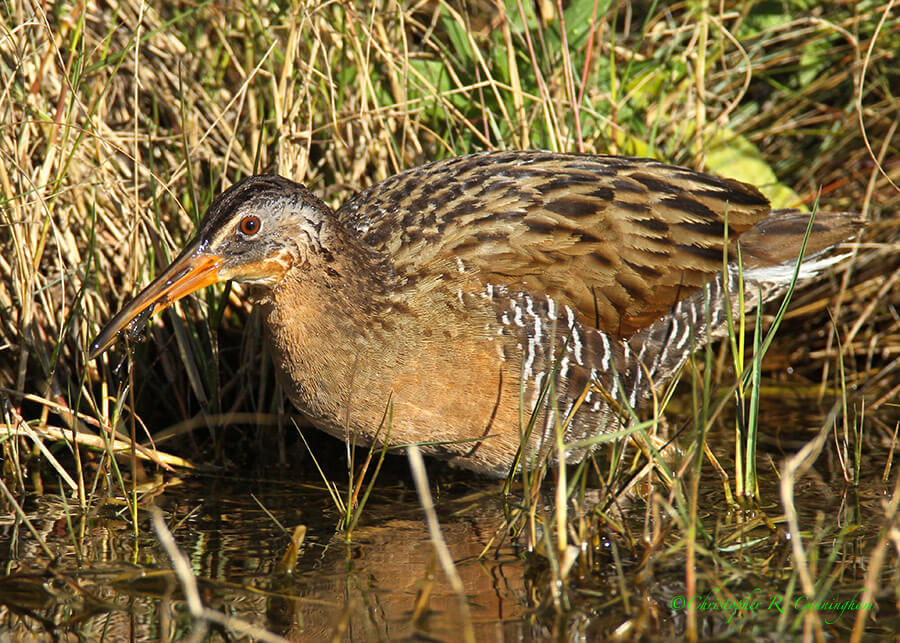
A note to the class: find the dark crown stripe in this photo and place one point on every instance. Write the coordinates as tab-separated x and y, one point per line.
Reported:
242	192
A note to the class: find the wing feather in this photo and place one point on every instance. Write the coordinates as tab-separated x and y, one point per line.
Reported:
618	239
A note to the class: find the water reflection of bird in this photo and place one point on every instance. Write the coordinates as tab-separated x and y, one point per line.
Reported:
455	299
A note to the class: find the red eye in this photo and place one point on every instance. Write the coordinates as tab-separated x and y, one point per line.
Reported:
249	225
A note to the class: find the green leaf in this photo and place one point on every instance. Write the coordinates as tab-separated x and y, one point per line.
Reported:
734	156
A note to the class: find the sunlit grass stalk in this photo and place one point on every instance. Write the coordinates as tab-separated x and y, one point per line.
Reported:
77	538
357	503
132	423
330	486
753	377
750	485
736	338
562	488
110	455
20	515
852	436
698	446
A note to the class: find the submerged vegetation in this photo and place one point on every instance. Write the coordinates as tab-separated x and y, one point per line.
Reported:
757	496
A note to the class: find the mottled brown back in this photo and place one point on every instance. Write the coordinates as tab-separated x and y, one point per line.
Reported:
621	240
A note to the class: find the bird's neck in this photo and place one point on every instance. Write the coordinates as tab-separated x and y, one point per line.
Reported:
320	321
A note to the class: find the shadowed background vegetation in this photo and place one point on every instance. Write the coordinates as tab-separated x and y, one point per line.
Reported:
119	122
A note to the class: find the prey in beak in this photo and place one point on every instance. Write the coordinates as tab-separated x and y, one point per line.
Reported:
192	270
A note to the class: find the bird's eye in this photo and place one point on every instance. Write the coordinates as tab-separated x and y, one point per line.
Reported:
249	225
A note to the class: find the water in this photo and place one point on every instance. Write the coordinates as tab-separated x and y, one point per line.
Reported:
384	582
106	581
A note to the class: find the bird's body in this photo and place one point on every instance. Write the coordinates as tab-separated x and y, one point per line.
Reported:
447	304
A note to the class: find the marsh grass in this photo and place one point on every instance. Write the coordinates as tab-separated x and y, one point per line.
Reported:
121	122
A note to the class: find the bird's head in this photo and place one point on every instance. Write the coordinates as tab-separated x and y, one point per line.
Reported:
254	232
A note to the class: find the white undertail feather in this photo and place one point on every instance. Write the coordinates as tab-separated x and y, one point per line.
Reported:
785	272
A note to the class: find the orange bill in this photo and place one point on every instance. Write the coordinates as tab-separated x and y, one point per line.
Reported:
192	270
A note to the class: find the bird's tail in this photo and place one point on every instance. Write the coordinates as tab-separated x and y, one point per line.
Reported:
769	252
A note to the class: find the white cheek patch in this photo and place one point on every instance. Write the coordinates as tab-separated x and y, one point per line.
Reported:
267	272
